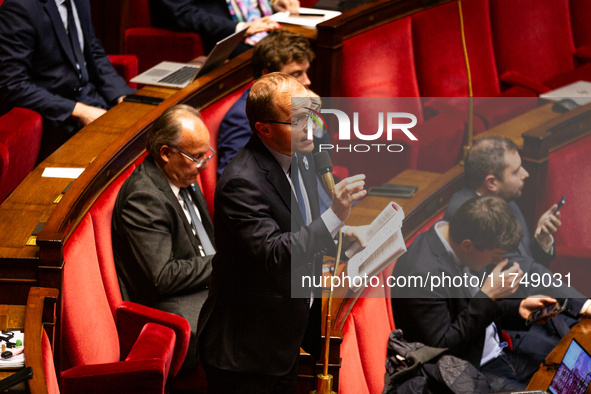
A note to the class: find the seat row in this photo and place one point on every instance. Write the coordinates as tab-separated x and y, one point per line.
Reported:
514	50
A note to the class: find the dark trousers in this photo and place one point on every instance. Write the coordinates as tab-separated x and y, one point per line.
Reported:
221	381
501	375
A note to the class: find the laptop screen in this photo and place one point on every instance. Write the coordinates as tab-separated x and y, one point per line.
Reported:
574	374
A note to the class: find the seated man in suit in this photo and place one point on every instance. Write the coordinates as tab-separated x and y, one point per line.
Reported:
281	51
270	235
469	317
493	167
215	20
162	233
51	62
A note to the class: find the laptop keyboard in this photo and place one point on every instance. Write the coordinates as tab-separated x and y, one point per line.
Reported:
180	76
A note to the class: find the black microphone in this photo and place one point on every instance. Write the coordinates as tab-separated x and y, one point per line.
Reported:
324	169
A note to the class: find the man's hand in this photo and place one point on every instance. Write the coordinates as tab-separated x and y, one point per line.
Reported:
587	312
547	225
85	114
346	193
263	24
499	287
357	233
534	303
286	5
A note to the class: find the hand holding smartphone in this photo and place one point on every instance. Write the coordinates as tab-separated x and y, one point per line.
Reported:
547	312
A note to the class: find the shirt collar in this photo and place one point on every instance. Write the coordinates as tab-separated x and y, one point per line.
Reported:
283	160
445	243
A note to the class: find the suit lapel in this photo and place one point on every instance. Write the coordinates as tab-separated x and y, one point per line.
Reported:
160	181
310	182
276	177
60	31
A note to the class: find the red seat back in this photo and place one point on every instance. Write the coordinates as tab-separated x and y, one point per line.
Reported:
351	378
20	139
212	116
579	13
439	53
387	48
89	335
532	37
139	13
576	185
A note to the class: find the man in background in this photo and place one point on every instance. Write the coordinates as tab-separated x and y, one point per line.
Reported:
281	51
51	62
163	239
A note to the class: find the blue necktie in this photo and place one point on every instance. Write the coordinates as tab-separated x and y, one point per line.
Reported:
208	248
295	179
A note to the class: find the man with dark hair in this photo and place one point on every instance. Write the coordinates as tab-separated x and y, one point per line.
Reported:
281	51
270	235
162	233
493	167
469	313
55	67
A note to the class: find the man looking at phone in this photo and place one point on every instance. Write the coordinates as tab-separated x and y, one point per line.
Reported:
493	167
469	318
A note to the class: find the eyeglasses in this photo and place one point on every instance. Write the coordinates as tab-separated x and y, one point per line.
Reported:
199	163
299	122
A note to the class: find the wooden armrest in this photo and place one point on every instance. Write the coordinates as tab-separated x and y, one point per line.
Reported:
33	334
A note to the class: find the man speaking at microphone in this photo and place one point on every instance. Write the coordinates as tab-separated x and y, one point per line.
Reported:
268	230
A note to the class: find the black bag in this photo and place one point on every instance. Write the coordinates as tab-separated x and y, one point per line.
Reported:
413	368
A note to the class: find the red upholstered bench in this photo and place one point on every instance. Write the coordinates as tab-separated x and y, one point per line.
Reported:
152	45
568	174
20	139
441	65
389	49
534	44
107	342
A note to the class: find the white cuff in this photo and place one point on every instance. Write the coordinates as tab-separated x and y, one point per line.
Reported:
585	306
547	248
332	222
240	26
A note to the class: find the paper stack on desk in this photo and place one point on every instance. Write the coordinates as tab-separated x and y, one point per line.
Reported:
305	17
17	361
386	244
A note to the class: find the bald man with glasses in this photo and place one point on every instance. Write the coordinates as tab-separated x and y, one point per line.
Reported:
163	239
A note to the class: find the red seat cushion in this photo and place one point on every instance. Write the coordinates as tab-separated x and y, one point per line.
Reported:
126	66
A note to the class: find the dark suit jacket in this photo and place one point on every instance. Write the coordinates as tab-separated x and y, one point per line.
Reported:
234	132
251	322
530	256
446	317
37	64
156	254
210	19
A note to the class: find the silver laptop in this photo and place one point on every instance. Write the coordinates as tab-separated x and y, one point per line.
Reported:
573	375
179	75
579	92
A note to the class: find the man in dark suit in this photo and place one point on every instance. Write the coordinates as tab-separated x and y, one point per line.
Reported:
61	72
270	235
212	20
493	167
162	233
468	317
281	51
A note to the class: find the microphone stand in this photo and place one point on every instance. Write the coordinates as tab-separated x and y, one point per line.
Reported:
325	380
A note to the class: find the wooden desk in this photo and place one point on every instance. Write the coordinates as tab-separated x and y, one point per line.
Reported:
582	333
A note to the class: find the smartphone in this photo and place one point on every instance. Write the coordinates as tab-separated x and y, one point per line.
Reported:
560	204
549	311
136	98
